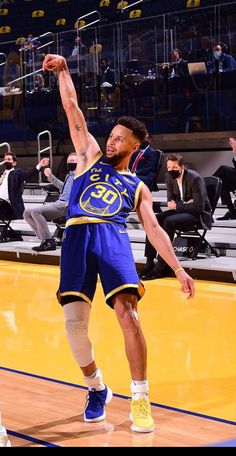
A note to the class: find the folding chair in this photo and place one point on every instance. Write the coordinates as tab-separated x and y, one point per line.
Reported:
193	241
7	233
60	227
160	162
156	205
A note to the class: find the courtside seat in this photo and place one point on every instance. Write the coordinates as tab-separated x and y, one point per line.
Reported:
213	187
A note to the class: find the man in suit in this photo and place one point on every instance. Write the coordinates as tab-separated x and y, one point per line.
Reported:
180	66
11	186
107	73
228	176
144	163
107	80
37	217
188	204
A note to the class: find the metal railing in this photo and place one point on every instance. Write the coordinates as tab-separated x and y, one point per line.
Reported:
45	149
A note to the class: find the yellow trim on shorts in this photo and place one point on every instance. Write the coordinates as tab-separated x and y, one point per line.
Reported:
76	293
137	193
83	220
139	286
100	154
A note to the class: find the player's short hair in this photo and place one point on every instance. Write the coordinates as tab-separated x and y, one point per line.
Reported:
138	128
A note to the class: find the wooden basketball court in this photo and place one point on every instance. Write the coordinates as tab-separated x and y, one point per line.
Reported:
191	365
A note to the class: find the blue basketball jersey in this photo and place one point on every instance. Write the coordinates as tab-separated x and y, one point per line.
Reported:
102	193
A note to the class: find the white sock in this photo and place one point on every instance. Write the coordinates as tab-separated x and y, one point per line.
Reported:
139	389
94	381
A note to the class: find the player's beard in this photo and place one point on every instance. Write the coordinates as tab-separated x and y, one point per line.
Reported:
115	159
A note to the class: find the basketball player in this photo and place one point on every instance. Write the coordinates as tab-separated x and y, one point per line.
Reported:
96	242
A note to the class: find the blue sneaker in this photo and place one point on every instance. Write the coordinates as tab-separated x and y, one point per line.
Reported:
95	406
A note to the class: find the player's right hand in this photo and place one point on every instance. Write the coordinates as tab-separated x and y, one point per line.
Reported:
53	62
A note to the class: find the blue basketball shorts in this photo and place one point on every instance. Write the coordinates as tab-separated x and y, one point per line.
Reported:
97	248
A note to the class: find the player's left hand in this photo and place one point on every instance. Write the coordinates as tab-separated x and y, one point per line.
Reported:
187	283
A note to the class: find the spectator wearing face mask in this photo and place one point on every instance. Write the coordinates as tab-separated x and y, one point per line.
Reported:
144	163
188	204
222	61
11	186
37	217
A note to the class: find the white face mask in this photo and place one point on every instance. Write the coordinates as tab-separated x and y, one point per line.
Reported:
217	54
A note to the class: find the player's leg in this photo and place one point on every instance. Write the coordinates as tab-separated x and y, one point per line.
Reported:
125	306
99	395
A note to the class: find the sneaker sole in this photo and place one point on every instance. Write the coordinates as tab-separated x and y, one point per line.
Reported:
102	417
140	430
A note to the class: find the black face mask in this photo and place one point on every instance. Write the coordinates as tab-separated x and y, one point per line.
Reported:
174	173
71	166
7	165
144	144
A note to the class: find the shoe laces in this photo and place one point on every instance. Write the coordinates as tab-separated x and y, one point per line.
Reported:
94	399
141	407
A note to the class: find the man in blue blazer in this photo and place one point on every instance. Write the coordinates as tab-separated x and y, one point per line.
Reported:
144	163
11	186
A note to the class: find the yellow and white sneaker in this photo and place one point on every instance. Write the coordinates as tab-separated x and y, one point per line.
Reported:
4	441
141	416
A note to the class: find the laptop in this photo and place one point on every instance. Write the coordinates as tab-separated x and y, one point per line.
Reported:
197	68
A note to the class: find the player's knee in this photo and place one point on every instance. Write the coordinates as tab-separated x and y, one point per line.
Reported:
128	317
77	334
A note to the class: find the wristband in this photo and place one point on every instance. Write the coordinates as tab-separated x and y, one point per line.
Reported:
178	270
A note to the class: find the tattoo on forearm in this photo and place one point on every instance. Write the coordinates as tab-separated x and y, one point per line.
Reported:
78	127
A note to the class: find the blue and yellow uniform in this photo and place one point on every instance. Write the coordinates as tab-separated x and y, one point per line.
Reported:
95	240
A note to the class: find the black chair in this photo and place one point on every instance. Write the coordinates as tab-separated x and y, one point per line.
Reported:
52	194
7	233
156	205
60	228
190	243
158	166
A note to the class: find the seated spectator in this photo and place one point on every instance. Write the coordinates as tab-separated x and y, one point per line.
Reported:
187	205
37	218
144	163
79	48
222	61
107	74
180	66
107	80
11	186
30	47
228	176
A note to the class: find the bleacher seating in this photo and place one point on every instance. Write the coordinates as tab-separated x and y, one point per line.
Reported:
25	11
222	235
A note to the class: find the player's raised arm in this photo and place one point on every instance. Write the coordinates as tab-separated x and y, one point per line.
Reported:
85	144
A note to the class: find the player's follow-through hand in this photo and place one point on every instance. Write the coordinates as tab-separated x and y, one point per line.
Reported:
53	62
187	283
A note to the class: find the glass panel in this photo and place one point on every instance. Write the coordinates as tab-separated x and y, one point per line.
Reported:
128	67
